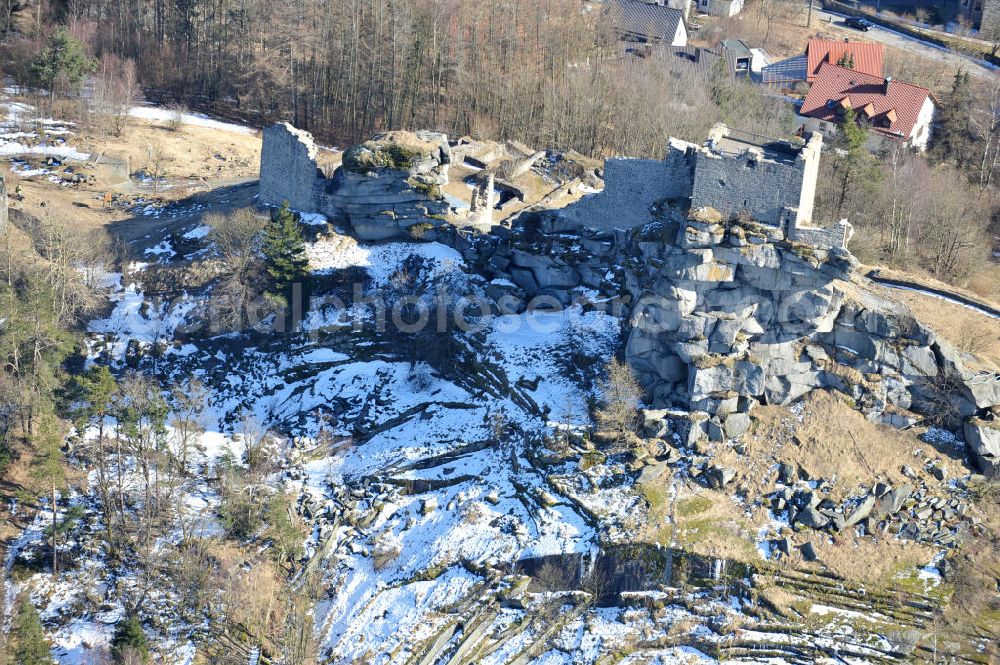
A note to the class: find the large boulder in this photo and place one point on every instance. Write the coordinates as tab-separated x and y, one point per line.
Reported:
978	389
712	377
812	518
983	438
860	511
415	153
892	501
719	476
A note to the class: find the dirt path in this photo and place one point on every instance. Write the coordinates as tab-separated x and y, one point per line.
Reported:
142	232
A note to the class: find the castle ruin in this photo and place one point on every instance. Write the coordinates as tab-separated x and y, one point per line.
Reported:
392	183
732	176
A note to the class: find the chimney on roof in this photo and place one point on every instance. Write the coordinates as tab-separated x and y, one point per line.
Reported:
888	82
847	40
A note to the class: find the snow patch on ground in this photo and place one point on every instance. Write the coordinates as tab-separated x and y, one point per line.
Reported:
198	232
133	317
195	119
338	252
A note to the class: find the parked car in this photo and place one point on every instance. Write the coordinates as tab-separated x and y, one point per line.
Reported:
858	23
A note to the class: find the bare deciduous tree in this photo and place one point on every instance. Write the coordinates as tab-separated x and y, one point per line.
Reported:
621	396
237	239
116	90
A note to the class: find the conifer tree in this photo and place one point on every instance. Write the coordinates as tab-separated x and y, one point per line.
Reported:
63	58
129	642
856	166
96	390
952	133
47	467
285	254
32	645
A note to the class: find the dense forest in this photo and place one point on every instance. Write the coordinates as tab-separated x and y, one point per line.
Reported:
550	74
547	73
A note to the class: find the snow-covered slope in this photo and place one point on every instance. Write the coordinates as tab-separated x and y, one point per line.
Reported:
423	484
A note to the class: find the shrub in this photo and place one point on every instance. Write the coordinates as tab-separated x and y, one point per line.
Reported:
175	119
976	337
387	155
419	231
937	399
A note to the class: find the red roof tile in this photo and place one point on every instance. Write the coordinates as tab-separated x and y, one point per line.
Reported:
893	112
867	56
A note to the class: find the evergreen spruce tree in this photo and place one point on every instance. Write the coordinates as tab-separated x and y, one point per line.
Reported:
62	59
129	642
952	133
856	168
96	389
32	645
285	254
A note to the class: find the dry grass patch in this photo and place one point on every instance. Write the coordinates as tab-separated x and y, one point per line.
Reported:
658	520
193	151
783	600
976	573
966	329
830	439
710	524
866	559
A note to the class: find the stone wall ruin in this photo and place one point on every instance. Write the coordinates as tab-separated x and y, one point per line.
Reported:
288	170
771	183
385	188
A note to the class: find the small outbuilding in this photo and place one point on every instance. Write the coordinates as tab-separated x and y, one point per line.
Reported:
720	7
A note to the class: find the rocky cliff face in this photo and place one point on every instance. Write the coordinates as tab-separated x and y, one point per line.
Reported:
722	317
722	313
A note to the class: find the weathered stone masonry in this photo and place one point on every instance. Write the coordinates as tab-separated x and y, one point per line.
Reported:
288	170
379	202
773	183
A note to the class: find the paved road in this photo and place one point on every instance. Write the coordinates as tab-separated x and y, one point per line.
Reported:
926	49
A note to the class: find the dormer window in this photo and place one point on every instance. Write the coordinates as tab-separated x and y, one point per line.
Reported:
843	105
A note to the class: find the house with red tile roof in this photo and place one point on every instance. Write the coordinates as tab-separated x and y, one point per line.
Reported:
865	57
889	108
